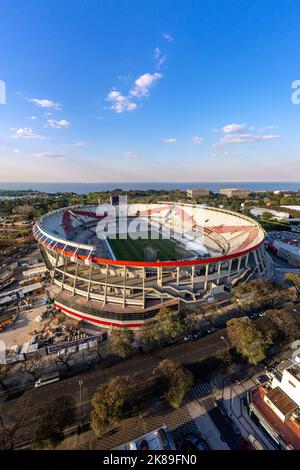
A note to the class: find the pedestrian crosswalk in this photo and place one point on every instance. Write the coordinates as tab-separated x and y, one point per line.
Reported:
202	390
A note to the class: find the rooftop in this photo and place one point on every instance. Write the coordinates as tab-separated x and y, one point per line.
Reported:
288	430
281	401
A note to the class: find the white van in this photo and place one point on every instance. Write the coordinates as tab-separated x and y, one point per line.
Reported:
47	379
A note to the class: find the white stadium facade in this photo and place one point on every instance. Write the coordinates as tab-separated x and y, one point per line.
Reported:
196	253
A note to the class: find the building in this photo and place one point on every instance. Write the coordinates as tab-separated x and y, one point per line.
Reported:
233	192
277	405
163	255
159	439
260	211
286	249
197	192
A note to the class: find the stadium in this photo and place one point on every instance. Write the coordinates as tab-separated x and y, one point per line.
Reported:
115	266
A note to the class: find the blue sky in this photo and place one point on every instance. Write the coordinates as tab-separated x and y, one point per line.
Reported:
144	90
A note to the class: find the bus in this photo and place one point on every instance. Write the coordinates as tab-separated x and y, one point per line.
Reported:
47	379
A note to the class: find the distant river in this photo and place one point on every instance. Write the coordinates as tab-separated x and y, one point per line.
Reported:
84	188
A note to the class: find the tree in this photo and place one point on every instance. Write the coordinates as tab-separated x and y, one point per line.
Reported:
110	402
247	339
121	342
4	372
52	419
293	279
286	324
31	367
224	357
26	211
65	356
168	325
179	381
97	349
13	422
261	294
266	215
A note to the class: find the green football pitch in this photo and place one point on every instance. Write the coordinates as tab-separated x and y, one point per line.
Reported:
147	249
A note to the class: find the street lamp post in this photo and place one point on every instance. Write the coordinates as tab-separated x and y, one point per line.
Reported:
226	342
80	383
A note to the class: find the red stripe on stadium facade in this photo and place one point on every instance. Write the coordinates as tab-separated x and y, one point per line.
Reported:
92	319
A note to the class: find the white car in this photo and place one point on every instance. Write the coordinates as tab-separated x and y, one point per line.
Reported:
262	314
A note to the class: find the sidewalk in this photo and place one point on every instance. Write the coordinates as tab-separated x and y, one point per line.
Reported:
232	398
206	426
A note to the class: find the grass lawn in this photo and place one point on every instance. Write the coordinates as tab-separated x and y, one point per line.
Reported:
136	250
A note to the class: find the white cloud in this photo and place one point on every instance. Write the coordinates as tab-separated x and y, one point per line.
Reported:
32	118
197	139
120	103
43	103
62	124
232	154
170	140
16	150
130	155
50	155
157	53
230	128
168	37
245	138
159	57
267	128
143	84
81	143
26	133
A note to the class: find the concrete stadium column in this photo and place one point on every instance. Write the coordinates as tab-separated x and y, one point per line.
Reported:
193	275
247	260
55	266
239	263
106	280
219	273
206	276
159	276
257	262
177	275
263	257
89	284
124	287
144	277
229	269
75	279
64	274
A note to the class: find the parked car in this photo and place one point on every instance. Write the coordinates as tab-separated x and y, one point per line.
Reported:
246	445
199	442
210	330
144	445
188	338
235	427
261	379
197	335
262	314
252	316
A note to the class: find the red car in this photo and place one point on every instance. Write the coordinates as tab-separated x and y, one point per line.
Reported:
144	445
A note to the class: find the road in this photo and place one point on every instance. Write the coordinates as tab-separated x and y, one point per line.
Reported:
141	365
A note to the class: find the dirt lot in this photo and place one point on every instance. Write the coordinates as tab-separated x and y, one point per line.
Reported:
24	325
